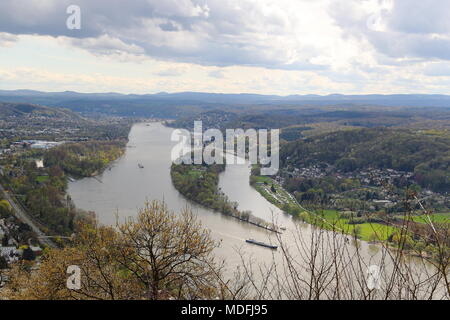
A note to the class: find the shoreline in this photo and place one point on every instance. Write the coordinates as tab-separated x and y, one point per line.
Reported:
219	204
425	255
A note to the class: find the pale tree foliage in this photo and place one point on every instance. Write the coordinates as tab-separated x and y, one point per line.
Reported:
158	255
93	252
169	255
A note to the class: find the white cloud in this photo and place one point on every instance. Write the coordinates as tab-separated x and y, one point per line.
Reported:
171	72
105	45
401	29
283	46
219	74
7	39
437	70
268	33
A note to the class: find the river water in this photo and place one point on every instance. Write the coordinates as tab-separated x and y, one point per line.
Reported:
120	191
124	188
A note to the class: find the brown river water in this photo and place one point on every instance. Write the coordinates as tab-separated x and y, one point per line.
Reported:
125	187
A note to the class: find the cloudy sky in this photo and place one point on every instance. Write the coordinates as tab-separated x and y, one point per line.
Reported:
261	46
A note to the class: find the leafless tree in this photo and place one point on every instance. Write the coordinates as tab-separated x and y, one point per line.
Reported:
329	264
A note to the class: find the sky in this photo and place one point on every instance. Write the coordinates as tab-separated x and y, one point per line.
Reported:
230	46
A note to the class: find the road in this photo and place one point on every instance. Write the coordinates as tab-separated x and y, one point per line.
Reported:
22	216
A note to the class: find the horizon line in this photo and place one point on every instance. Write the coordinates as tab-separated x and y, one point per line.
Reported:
222	93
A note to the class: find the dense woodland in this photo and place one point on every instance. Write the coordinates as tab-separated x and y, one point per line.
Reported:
200	184
425	153
303	119
84	159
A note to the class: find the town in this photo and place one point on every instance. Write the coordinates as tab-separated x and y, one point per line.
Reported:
376	189
27	133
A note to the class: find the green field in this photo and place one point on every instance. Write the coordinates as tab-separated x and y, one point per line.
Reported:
42	179
364	231
436	217
263	185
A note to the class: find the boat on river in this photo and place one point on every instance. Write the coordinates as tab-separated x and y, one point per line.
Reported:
262	244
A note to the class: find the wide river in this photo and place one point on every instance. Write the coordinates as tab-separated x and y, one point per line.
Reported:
123	189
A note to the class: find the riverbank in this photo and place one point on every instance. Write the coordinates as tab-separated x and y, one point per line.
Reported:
200	184
388	231
43	188
333	220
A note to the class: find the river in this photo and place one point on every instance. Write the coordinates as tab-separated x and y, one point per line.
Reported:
120	191
123	188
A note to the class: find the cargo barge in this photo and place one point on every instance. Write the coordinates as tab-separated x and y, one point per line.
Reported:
262	244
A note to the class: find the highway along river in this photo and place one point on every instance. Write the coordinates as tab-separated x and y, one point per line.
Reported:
125	187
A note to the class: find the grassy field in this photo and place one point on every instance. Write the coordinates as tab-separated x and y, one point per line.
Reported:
364	231
42	179
436	217
263	184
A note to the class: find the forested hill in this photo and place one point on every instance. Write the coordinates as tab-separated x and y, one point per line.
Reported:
26	109
426	153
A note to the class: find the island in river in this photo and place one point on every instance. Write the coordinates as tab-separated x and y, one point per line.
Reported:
200	183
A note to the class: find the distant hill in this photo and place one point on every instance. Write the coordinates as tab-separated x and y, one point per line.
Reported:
210	119
423	100
331	118
26	109
175	105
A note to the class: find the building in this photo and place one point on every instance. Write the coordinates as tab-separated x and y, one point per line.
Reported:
11	254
